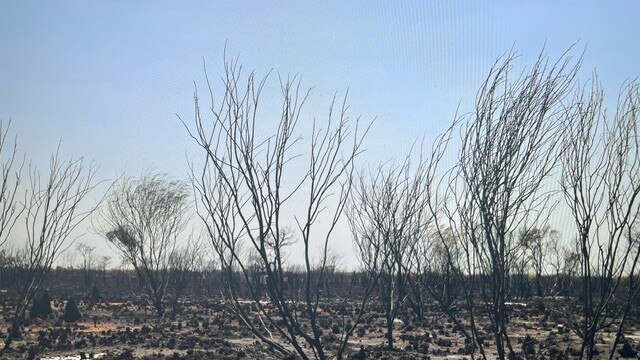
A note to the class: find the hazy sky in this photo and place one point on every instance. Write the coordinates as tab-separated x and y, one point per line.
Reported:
109	77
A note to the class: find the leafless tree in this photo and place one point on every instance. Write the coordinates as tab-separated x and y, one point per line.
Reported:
54	207
601	184
499	184
143	218
11	264
11	168
69	259
102	265
388	212
246	184
519	265
420	267
334	262
439	272
88	259
535	243
184	261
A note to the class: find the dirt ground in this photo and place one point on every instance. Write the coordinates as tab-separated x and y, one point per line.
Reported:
207	330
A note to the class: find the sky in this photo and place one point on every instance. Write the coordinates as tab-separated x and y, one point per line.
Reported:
107	78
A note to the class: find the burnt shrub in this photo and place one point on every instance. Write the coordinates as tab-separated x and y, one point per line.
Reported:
627	352
445	343
95	294
43	340
126	354
82	343
41	306
71	312
32	353
529	345
360	355
171	344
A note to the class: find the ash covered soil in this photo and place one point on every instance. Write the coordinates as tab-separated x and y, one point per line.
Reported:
208	330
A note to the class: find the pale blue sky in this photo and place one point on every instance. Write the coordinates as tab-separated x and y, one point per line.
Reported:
109	76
